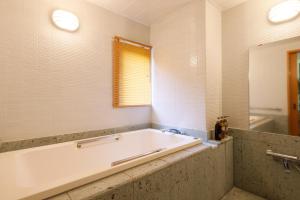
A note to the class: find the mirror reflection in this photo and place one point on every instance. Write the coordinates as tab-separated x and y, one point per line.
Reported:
274	91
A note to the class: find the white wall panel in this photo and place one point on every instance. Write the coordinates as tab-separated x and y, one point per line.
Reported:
55	82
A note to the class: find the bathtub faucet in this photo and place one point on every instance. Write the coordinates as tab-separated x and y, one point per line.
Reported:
173	130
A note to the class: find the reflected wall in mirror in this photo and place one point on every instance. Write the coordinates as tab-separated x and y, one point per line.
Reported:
274	90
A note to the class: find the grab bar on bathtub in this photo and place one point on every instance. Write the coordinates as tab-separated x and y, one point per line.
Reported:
80	143
115	163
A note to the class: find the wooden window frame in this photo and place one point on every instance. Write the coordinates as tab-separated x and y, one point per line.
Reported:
116	70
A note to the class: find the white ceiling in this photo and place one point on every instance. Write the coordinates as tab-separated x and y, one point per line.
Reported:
147	11
227	4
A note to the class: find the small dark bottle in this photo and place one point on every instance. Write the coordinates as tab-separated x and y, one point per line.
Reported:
218	130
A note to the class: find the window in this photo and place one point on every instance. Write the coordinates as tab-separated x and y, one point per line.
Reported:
131	73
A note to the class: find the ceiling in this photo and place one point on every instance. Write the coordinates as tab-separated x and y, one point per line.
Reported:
227	4
147	11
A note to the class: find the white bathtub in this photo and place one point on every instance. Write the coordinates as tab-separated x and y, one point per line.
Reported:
45	171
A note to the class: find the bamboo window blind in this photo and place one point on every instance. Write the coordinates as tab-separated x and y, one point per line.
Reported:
131	73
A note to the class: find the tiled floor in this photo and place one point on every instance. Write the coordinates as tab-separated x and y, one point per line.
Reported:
238	194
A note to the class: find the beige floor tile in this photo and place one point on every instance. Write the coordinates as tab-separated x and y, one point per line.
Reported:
238	194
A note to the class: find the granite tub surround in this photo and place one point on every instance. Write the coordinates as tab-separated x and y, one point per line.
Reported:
36	142
265	126
276	124
258	173
6	146
197	173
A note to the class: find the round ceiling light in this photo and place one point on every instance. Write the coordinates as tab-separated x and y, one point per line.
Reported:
65	20
284	11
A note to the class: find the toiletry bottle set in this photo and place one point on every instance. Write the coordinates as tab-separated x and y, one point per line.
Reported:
221	128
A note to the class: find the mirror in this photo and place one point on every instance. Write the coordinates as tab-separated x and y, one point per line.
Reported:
274	90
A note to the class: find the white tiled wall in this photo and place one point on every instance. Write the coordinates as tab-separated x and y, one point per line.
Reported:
56	82
186	83
179	68
213	29
246	26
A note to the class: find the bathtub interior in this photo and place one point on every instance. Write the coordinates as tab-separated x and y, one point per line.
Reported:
39	169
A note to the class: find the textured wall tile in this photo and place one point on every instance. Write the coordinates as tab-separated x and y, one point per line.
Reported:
201	172
254	155
219	171
116	185
121	193
36	142
281	184
229	165
256	172
180	181
213	58
53	81
153	187
239	34
146	169
200	175
179	68
237	160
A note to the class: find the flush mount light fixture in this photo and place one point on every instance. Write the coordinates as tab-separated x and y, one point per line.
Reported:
65	20
284	11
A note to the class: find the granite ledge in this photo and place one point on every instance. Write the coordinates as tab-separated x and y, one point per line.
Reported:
216	143
264	137
6	146
184	154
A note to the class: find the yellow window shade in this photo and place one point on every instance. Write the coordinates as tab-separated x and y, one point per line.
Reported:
132	73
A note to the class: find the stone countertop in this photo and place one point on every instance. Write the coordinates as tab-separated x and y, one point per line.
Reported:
216	143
